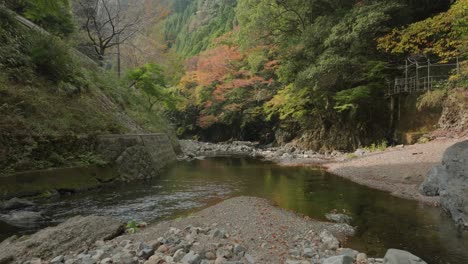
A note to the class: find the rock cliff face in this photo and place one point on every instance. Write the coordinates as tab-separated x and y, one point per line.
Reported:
450	181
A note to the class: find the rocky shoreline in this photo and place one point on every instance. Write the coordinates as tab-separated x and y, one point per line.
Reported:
242	230
287	155
399	170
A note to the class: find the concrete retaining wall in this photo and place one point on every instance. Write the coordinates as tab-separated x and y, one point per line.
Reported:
138	156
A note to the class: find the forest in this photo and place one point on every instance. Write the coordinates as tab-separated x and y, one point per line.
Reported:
315	72
233	131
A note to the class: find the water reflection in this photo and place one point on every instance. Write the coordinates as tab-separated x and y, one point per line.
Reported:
383	221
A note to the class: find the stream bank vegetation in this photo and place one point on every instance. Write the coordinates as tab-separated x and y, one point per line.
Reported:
54	99
314	72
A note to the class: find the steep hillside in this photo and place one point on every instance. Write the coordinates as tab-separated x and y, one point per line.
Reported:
53	101
312	71
195	24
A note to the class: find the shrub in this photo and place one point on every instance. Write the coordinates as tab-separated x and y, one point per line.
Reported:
431	99
50	57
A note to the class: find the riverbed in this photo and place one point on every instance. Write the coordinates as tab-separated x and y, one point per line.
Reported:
382	221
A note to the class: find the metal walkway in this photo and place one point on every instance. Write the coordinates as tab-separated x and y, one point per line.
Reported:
423	77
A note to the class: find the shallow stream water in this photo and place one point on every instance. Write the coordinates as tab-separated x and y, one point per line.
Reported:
382	221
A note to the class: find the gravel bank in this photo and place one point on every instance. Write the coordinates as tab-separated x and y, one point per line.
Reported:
267	231
398	170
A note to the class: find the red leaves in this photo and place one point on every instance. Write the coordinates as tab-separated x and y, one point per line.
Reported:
206	121
214	65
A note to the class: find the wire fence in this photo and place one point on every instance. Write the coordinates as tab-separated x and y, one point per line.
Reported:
422	77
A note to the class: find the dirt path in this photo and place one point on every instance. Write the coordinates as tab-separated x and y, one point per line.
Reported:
398	170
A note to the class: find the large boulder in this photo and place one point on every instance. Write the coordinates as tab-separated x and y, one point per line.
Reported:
435	181
454	197
74	235
396	256
450	181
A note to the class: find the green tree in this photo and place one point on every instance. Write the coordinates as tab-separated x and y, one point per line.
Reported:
443	36
54	15
149	79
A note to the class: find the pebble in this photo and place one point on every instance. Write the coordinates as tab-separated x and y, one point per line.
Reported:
58	259
307	248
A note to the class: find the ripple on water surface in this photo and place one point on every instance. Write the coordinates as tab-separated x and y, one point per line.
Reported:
383	221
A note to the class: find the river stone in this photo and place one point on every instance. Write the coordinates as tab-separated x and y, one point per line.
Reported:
339	218
361	258
396	256
15	203
22	218
329	241
75	234
191	258
178	255
348	252
435	181
342	259
58	259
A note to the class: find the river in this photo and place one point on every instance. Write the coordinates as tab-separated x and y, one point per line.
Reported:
382	221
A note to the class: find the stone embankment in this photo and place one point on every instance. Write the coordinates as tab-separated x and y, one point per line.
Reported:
284	155
243	230
137	156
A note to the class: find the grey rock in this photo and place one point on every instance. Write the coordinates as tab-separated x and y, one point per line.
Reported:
249	258
239	249
178	255
15	203
450	181
360	152
308	252
106	261
35	261
361	258
124	258
75	234
292	261
396	256
146	252
348	252
217	233
22	218
329	241
339	218
295	252
342	259
220	260
191	258
58	259
435	181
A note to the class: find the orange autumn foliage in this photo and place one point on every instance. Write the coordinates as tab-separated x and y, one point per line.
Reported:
214	65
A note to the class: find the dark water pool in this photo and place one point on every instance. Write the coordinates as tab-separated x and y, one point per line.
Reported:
383	221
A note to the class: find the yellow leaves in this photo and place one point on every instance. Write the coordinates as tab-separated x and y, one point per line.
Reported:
439	35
